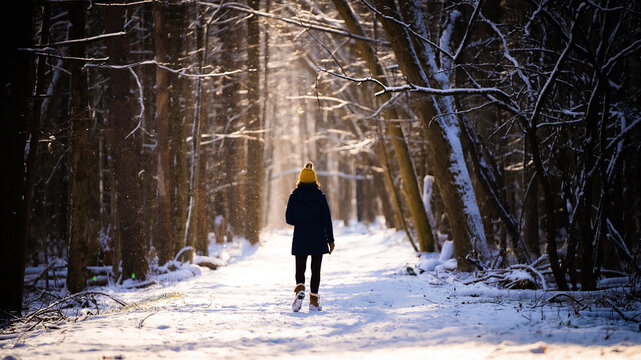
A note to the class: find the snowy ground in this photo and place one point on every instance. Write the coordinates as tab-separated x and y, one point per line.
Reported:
372	310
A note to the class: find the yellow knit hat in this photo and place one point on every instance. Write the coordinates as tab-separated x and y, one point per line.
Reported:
307	174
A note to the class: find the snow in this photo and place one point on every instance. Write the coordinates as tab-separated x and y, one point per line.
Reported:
372	309
520	275
438	262
446	252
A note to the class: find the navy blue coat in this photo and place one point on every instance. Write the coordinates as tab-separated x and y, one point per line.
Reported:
307	210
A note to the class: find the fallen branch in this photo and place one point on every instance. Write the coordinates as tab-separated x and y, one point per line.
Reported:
623	316
183	250
50	307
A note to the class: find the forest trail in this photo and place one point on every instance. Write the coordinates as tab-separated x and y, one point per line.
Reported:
371	309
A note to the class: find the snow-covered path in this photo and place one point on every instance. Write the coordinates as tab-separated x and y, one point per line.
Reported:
372	310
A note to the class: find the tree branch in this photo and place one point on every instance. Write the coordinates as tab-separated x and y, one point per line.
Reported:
470	23
422	89
181	72
409	29
41	52
298	22
84	40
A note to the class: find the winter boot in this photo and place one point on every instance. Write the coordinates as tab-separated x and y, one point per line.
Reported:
300	295
314	302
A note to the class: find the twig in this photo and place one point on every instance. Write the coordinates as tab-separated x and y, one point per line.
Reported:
39	52
182	71
145	318
89	39
566	295
141	100
470	23
42	273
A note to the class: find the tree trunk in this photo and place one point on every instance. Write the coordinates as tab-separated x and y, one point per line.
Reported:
383	192
181	110
255	148
199	165
115	235
34	158
530	204
387	170
228	121
126	146
164	236
84	173
15	89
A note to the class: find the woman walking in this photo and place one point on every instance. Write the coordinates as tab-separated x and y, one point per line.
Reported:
307	210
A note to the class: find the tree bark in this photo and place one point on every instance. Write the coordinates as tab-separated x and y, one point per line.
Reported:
164	236
199	166
126	146
181	110
84	158
530	205
115	235
228	121
255	148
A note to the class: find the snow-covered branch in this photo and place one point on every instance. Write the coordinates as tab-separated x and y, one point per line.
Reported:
340	102
635	46
422	89
140	100
508	55
409	29
181	71
443	92
297	22
43	52
87	39
240	134
557	66
468	29
623	134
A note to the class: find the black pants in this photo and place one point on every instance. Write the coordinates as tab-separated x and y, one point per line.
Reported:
301	265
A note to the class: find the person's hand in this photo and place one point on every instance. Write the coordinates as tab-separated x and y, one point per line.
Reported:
331	247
